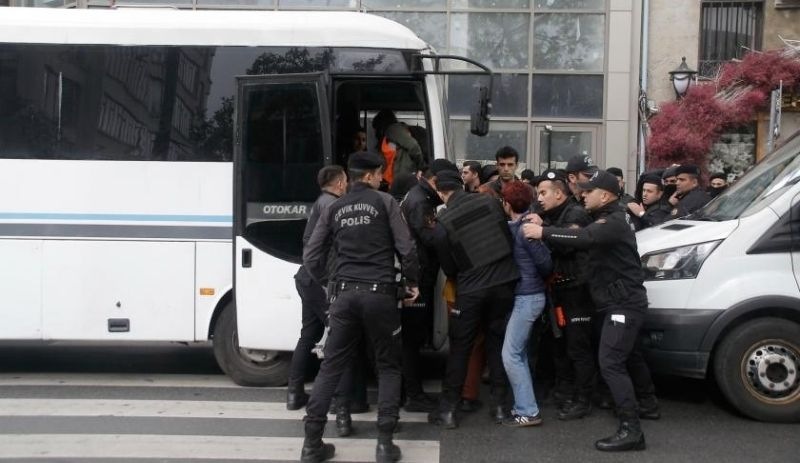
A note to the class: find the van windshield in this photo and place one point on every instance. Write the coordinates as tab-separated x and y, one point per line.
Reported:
758	187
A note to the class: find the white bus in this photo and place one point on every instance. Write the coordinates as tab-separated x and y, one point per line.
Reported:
138	145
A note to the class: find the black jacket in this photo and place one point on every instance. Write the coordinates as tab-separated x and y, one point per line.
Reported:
500	270
569	263
366	229
321	205
690	202
614	264
654	214
419	210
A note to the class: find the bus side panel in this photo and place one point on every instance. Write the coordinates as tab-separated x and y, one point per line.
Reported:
276	324
214	266
21	289
88	283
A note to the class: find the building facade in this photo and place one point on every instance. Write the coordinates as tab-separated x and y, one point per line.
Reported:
710	33
567	71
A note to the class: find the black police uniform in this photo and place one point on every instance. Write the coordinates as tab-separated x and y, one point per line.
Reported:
654	214
366	229
689	202
570	291
617	289
419	210
314	313
484	292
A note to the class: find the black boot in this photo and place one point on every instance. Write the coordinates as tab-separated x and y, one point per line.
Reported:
444	416
578	408
648	408
314	450
386	451
344	424
498	411
296	399
629	436
498	414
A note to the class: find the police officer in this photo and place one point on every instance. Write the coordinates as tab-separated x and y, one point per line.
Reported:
654	209
474	247
618	290
688	196
366	230
333	182
570	291
419	210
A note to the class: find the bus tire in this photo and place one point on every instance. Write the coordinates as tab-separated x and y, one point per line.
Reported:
756	368
244	366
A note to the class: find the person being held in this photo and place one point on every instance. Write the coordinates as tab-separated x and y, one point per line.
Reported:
400	149
533	261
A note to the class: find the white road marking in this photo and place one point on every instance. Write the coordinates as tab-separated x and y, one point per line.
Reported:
17	446
169	409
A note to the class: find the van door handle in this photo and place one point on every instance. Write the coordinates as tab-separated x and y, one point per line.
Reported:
247	258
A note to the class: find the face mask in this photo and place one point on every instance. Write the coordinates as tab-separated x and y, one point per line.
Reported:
669	190
714	192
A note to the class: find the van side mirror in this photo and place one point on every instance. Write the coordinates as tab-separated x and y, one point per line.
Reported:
479	117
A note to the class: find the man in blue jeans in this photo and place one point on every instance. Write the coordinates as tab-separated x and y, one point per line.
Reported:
533	260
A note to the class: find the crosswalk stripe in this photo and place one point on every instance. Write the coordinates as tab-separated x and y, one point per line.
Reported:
138	380
206	447
168	409
116	379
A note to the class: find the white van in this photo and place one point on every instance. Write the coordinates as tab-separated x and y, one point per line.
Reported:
723	290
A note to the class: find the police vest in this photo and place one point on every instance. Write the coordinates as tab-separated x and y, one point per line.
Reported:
478	234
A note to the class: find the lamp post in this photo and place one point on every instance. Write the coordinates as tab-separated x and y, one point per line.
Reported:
681	77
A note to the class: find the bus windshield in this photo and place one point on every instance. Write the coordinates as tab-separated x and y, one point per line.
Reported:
756	189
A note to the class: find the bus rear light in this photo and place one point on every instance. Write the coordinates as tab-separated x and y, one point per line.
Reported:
207	291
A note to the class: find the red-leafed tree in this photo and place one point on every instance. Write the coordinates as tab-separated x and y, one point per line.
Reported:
684	130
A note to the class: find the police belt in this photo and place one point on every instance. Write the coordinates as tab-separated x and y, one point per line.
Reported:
389	289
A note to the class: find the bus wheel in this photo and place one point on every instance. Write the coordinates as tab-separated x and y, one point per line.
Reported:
246	367
756	367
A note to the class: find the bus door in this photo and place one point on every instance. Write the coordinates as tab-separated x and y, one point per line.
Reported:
282	139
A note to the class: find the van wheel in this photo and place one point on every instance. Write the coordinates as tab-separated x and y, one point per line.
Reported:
246	367
756	367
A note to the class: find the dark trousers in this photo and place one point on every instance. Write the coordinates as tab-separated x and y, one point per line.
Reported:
315	305
578	334
491	306
416	326
351	314
621	361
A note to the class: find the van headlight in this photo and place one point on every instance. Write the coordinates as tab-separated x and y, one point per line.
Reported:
677	263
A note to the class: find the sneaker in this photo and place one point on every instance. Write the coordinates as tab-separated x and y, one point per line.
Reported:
520	421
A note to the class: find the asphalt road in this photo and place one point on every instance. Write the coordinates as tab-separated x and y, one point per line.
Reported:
696	424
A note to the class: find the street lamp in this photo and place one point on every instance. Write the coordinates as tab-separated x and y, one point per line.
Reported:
681	77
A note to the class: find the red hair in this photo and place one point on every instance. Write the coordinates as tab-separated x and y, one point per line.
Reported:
518	195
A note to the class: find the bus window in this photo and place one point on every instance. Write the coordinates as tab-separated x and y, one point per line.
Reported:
283	147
